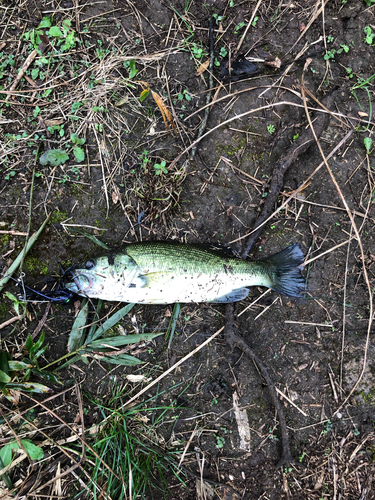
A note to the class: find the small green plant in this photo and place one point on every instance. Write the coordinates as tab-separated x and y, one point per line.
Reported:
6	452
160	168
5	61
78	152
331	53
238	27
369	35
271	128
254	23
369	3
130	66
368	144
273	436
62	39
220	441
218	18
11	376
197	51
223	52
56	128
54	157
10	175
349	72
185	94
328	426
144	159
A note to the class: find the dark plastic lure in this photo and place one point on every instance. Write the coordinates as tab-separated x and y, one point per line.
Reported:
61	295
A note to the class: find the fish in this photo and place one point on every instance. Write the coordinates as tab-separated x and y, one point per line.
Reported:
166	273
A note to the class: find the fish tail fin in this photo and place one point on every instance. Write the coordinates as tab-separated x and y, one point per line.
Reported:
285	268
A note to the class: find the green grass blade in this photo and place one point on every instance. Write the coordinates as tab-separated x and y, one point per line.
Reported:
91	237
121	340
93	328
29	387
21	255
112	321
122	359
76	337
69	362
172	323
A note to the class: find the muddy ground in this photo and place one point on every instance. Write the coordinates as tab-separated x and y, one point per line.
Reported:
316	347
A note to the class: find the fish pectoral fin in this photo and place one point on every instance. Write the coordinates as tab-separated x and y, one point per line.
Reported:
153	278
232	296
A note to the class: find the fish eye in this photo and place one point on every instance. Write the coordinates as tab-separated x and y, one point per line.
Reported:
90	264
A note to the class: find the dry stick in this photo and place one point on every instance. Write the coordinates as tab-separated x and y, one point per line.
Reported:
282	87
23	70
344	309
173	367
248	25
103	172
301	188
208	96
360	247
314	16
299	147
234	340
251	111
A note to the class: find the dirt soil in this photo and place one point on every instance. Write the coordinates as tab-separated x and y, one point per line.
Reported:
316	347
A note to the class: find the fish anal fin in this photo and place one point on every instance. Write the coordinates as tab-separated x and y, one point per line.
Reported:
232	296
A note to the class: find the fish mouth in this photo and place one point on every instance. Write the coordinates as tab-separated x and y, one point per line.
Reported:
82	281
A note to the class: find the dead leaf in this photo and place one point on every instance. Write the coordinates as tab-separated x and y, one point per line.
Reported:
135	378
122	101
362	113
167	117
202	68
55	121
276	63
115	197
204	490
243	425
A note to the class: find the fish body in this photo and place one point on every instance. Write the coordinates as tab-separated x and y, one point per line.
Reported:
165	273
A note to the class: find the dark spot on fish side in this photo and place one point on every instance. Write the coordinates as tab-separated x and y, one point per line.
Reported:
111	259
132	285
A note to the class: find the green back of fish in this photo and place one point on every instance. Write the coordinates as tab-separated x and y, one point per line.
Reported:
160	256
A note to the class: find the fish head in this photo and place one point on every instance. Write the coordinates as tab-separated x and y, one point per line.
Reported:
101	275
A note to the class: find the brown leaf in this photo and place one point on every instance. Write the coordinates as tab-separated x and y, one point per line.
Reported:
276	63
115	197
167	117
56	121
202	68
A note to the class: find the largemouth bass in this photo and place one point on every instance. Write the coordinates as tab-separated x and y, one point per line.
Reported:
165	273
